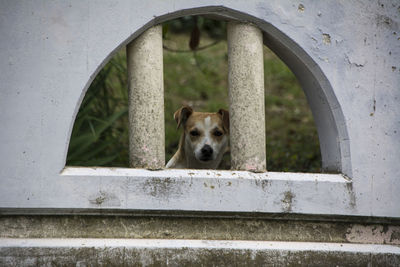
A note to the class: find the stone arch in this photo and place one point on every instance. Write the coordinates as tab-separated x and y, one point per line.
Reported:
326	109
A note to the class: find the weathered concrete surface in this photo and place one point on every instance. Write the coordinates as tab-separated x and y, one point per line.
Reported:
246	97
130	190
382	234
345	55
146	100
196	228
156	252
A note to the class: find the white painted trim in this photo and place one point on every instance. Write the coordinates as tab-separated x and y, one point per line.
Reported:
196	244
210	174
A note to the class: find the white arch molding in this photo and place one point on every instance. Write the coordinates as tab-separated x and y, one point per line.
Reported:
328	116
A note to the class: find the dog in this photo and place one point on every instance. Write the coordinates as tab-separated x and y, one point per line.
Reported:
204	141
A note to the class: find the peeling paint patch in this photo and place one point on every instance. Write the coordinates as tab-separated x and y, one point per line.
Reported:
386	22
326	38
105	199
162	188
255	165
373	108
354	62
374	234
315	40
263	184
287	201
352	196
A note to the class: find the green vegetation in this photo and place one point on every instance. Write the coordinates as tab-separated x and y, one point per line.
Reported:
198	79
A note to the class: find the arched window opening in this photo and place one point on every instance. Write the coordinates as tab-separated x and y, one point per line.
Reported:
195	74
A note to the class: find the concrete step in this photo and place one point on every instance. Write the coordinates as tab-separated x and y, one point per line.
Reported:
183	252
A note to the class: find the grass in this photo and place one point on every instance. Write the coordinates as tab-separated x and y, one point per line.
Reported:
100	134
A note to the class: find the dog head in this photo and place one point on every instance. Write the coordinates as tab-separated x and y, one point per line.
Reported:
206	134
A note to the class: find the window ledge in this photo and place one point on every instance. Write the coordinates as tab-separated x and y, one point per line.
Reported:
205	191
110	191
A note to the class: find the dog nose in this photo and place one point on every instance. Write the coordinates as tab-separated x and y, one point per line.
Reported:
207	150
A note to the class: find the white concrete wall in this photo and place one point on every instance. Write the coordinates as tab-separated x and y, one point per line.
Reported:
346	55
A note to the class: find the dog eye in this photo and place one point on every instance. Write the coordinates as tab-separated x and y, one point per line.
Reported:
218	133
194	133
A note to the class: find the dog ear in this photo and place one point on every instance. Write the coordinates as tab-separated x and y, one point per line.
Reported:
182	114
225	118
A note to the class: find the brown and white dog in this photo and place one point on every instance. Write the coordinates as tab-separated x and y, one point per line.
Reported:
204	140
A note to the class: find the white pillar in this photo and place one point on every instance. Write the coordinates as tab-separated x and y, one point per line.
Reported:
246	96
146	100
